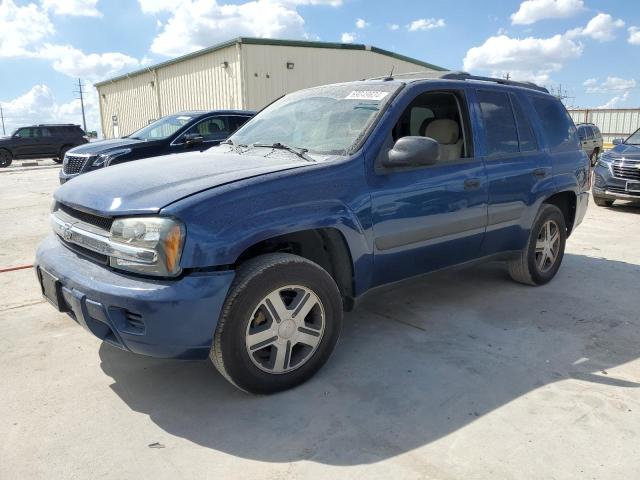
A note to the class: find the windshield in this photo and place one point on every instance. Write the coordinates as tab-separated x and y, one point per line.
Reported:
634	139
163	128
325	120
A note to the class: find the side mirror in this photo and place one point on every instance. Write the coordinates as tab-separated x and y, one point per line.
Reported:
412	152
618	141
191	139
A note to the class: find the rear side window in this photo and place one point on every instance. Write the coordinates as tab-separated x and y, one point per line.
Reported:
528	142
499	124
557	125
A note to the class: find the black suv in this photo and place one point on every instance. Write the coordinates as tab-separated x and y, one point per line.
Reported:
184	131
40	141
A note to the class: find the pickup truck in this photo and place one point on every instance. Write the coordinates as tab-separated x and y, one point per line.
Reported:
250	252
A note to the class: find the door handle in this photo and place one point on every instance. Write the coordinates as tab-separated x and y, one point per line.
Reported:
472	184
540	172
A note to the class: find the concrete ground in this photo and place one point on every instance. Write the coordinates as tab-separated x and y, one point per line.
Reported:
460	375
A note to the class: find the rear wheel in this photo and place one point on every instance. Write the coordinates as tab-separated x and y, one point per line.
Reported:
602	202
63	152
5	158
540	260
280	323
594	158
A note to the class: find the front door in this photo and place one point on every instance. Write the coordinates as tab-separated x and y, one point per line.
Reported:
427	218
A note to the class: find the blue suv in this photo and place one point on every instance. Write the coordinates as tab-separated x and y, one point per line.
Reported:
250	252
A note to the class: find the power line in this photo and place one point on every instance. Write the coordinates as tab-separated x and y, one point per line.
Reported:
81	92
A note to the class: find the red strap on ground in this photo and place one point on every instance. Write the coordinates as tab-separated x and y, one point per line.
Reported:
15	267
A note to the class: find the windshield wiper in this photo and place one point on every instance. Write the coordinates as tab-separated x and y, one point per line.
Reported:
301	152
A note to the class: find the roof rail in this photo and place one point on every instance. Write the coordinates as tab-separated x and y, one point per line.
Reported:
452	75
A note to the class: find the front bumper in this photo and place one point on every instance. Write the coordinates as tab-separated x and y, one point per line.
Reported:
159	318
607	186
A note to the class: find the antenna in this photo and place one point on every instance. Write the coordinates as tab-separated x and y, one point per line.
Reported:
392	69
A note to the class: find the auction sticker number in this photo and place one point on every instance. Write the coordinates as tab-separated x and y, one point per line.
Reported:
366	95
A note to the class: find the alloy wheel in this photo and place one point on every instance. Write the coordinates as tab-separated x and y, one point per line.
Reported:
285	329
547	246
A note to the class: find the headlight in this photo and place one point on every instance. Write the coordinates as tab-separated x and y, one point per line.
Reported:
604	160
104	159
162	236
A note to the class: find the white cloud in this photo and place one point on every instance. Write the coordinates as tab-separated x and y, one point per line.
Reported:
39	105
196	24
348	37
426	24
602	27
634	35
616	101
394	26
21	27
611	84
528	58
361	23
531	11
93	66
77	8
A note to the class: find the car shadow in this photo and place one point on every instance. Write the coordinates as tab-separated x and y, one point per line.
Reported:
415	363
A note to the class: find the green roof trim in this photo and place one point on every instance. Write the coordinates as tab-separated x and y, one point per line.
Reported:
275	42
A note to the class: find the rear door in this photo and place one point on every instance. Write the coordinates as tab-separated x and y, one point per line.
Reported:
515	167
428	217
48	140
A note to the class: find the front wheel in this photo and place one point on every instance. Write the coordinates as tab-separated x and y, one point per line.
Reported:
5	158
63	152
279	324
540	260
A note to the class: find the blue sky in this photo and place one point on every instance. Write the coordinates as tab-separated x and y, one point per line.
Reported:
590	47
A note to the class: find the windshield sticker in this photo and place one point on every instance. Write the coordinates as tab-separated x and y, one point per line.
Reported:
366	95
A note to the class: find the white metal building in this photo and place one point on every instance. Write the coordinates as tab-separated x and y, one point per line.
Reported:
612	122
244	73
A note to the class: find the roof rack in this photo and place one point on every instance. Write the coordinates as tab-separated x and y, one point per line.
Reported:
57	125
453	75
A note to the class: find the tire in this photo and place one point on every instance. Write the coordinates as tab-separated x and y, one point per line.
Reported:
63	151
535	267
5	158
594	158
602	202
261	351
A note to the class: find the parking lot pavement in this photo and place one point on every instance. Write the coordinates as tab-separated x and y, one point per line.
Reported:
462	374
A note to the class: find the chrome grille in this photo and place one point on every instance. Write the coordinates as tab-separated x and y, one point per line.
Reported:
103	223
73	164
614	189
626	169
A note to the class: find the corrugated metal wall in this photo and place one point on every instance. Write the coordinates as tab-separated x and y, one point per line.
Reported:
613	123
131	100
268	78
198	83
254	76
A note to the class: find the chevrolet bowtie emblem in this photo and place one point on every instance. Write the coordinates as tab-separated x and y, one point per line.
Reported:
67	234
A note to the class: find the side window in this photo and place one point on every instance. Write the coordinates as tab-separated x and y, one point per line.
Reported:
557	125
26	133
216	128
581	133
499	124
526	137
436	115
44	132
236	122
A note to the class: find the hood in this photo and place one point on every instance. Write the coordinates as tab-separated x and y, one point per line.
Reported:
146	186
628	151
103	146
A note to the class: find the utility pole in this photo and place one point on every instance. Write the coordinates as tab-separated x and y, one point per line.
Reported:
4	133
81	93
507	76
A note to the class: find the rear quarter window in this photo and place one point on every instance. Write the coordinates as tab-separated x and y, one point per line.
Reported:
501	135
558	128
